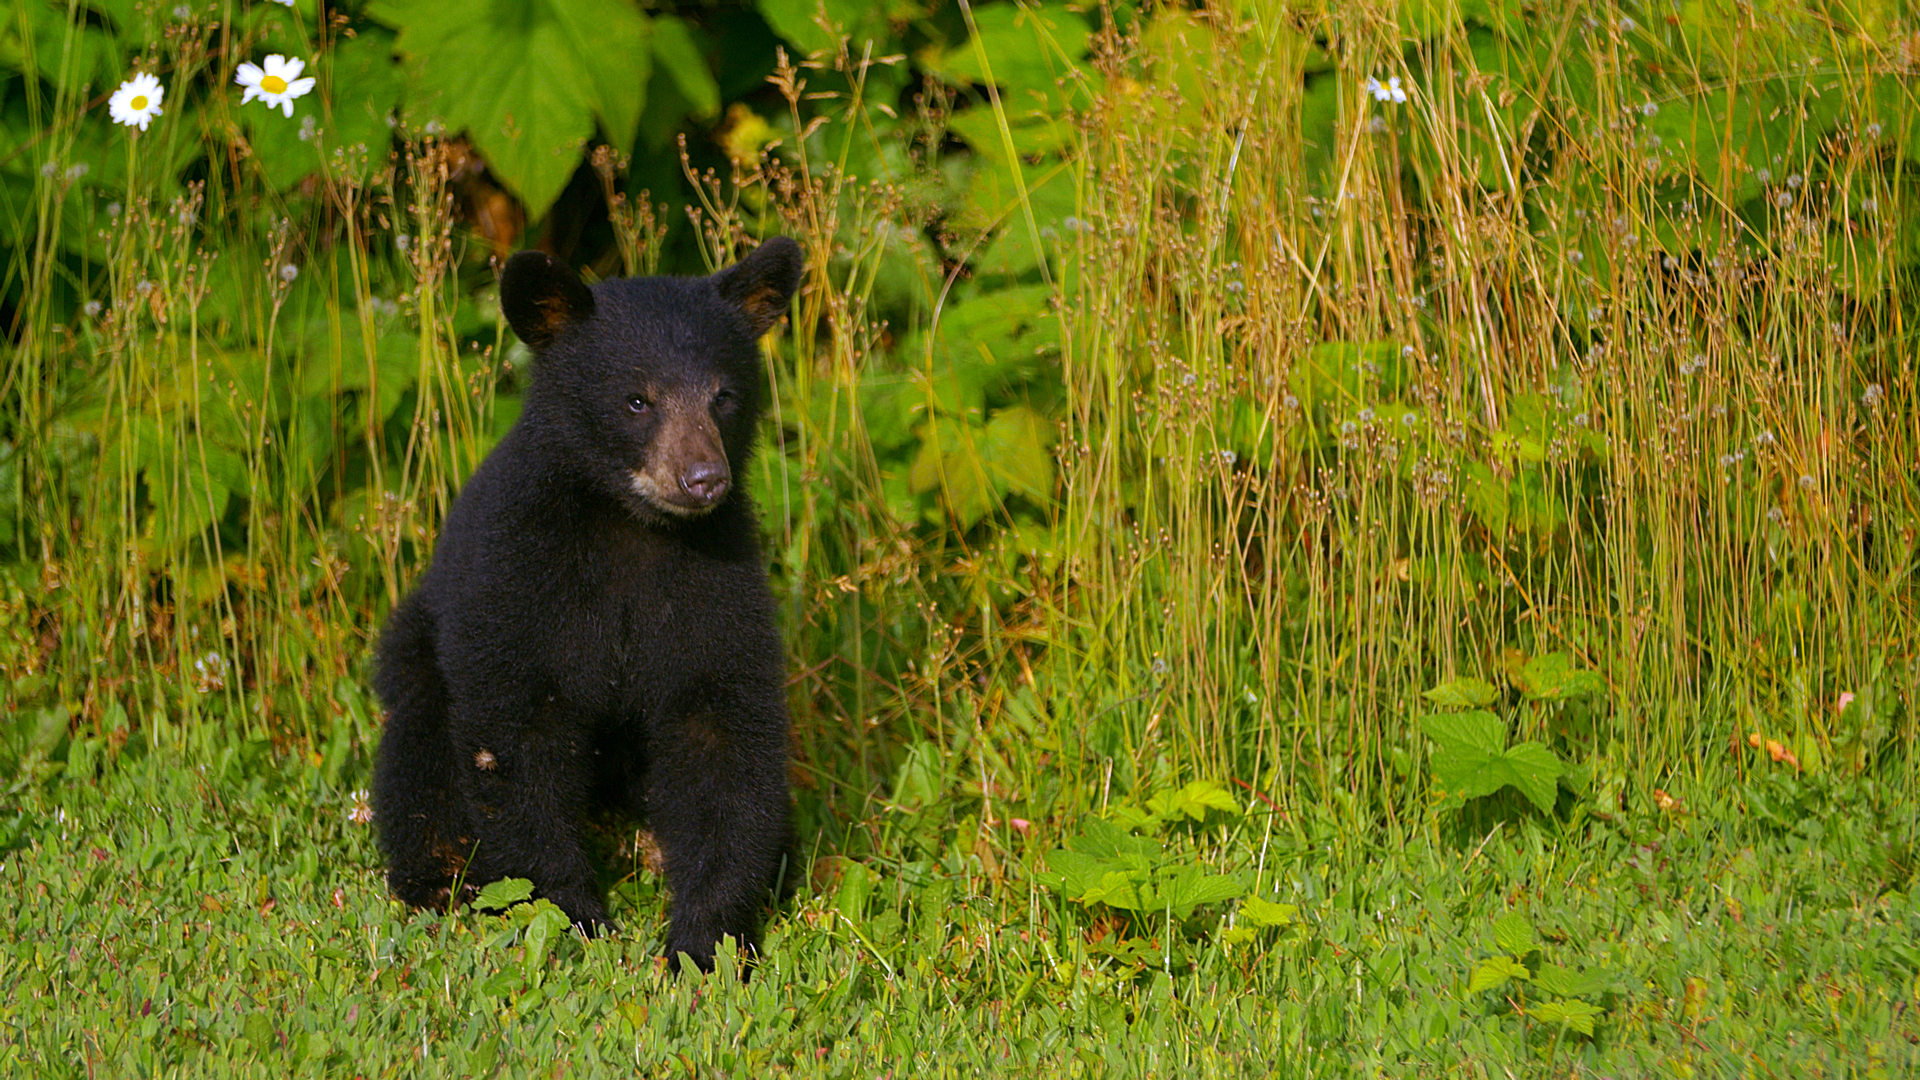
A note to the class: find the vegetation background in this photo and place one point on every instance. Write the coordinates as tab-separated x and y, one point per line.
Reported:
1316	538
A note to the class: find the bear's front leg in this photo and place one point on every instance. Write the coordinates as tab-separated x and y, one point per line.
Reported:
717	802
526	780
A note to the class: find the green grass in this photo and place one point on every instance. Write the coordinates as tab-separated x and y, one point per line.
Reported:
221	914
1487	524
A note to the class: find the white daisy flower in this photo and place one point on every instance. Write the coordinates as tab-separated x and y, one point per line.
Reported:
278	84
1391	90
137	101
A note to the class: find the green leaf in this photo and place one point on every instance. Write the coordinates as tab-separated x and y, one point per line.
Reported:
920	779
1263	913
679	56
1487	498
1552	677
1017	454
1533	769
1193	887
1574	1014
817	26
1073	873
1513	933
526	81
1494	973
548	922
1463	693
1478	732
1105	840
1029	49
1471	761
1564	982
1117	889
503	894
1193	801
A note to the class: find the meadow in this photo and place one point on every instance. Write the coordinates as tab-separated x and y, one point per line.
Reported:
1314	538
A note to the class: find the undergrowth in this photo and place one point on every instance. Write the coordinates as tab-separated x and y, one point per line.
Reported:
1258	495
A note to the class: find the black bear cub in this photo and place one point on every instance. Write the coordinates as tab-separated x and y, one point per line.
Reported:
596	628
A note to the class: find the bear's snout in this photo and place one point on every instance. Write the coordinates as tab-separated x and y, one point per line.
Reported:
706	481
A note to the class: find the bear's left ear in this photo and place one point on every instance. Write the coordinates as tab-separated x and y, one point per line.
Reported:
762	284
541	296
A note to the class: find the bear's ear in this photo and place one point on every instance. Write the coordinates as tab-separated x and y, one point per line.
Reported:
541	296
762	283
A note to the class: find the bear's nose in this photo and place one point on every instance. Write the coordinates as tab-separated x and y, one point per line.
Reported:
705	481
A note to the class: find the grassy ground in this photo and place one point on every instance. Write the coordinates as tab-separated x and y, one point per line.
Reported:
223	914
1286	571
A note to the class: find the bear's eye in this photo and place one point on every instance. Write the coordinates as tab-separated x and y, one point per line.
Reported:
639	404
725	399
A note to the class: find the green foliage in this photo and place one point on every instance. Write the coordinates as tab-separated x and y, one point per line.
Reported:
1161	406
528	81
1474	759
248	932
1107	865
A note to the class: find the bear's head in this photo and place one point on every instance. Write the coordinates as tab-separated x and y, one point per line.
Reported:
650	387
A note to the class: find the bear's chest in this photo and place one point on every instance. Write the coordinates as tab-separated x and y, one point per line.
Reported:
658	618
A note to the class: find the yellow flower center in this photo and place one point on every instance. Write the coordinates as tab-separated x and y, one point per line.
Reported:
139	102
273	84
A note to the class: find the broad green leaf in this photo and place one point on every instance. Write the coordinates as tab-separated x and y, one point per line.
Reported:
337	362
1552	677
817	26
1575	1014
1118	889
1016	449
1564	982
547	922
1493	973
1487	498
1028	48
1533	769
503	894
1471	761
526	81
1073	873
1463	693
1105	840
1477	732
611	43
950	462
679	57
1193	887
856	885
1513	933
1193	801
993	201
920	779
1263	913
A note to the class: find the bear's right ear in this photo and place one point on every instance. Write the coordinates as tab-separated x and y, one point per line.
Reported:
762	284
541	296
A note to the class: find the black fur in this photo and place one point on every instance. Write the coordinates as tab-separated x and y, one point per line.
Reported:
596	623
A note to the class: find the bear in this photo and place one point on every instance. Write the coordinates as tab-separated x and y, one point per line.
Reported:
595	630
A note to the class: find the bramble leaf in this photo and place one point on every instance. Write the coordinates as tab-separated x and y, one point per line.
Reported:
1513	932
1494	973
503	894
1572	1013
1264	913
1463	693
